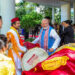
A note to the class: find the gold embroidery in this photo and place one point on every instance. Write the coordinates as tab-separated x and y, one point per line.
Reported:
54	63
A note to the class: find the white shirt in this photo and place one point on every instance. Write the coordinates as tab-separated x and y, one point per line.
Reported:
55	36
17	40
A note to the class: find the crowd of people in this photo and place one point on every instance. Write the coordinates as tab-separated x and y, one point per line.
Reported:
50	38
65	31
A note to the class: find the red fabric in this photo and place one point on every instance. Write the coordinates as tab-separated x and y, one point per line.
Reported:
22	42
28	45
15	19
30	36
22	55
31	45
68	69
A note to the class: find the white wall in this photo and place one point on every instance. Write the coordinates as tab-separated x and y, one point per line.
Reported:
7	8
65	12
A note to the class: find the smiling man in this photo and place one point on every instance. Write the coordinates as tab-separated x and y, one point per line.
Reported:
16	48
48	38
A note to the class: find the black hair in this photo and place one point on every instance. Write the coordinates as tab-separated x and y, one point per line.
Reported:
3	41
13	23
47	17
73	24
0	17
68	22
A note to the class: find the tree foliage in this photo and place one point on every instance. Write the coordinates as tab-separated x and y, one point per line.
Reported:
20	10
27	14
47	11
31	20
58	15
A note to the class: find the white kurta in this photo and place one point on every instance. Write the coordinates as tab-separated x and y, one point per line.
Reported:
54	35
16	59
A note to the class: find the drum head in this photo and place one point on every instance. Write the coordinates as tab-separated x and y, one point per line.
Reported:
32	58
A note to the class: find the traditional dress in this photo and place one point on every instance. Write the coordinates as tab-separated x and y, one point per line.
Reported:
14	51
48	38
7	66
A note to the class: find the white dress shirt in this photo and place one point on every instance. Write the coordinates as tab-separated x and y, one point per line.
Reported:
54	35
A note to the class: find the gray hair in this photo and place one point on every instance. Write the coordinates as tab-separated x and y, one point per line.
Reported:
44	19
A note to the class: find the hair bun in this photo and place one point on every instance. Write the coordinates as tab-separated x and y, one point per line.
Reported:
68	22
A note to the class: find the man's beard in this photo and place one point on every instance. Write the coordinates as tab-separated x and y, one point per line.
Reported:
45	27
